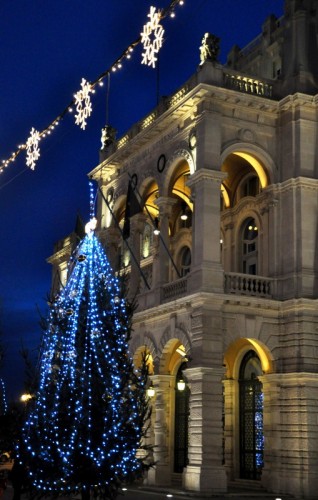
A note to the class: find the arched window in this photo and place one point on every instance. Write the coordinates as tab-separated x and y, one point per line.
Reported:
251	417
185	261
146	241
250	186
249	246
181	422
123	256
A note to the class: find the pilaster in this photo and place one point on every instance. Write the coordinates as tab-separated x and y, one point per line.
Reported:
111	238
206	273
230	389
160	474
137	226
165	205
291	434
205	472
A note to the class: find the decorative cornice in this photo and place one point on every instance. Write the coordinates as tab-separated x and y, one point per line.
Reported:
309	184
296	100
204	174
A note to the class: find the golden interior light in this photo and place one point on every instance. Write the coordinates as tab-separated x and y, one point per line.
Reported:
226	197
261	354
259	169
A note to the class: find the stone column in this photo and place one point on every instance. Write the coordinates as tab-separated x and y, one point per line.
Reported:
206	273
230	389
165	205
227	247
160	475
111	238
291	434
205	472
137	226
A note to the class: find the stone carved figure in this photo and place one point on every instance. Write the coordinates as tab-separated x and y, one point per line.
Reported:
108	136
210	48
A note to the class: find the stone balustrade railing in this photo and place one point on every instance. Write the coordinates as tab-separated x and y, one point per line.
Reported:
174	290
248	85
220	76
247	284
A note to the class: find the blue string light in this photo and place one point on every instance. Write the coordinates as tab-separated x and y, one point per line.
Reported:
3	398
91	200
84	429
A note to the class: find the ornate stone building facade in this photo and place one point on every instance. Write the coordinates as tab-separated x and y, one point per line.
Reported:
227	171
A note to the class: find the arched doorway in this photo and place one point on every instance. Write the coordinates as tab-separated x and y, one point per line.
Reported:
181	422
251	417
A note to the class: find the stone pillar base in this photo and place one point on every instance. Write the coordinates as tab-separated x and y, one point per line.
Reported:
160	475
207	278
205	479
292	482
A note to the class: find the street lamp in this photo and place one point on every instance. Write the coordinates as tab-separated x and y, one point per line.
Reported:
181	384
25	397
151	391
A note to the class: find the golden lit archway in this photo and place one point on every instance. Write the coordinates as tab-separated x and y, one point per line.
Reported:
138	356
242	168
235	352
258	167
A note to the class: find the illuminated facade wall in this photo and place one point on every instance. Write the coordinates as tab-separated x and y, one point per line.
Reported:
228	297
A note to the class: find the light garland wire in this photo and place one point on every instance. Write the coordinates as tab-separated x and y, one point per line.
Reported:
32	144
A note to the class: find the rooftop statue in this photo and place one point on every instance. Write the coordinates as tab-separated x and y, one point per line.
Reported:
108	136
210	48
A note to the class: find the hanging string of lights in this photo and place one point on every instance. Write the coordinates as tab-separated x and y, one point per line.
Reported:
151	39
3	398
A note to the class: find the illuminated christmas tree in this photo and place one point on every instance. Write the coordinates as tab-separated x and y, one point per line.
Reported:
89	412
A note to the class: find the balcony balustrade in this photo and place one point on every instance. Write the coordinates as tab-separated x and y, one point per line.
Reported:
174	290
247	284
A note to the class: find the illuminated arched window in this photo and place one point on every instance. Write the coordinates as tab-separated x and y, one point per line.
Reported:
251	417
146	241
249	246
123	256
63	274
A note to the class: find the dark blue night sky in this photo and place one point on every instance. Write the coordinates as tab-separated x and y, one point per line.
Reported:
46	49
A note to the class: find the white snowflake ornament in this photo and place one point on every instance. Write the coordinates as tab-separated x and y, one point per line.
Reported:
32	147
83	104
152	38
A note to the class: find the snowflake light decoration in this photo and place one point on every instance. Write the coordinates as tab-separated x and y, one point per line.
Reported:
32	147
83	104
152	38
